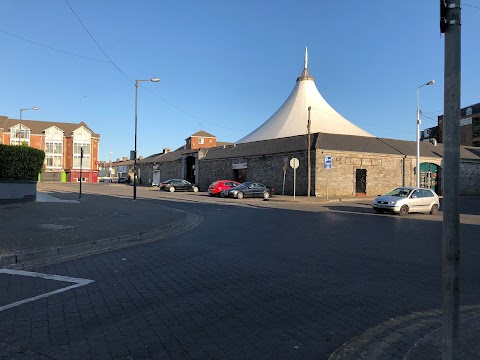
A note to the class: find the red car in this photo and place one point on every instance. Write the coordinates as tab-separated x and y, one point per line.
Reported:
217	187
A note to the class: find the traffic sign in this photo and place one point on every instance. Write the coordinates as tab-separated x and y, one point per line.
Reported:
294	163
328	162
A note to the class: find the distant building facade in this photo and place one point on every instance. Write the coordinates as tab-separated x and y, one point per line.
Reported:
469	128
63	144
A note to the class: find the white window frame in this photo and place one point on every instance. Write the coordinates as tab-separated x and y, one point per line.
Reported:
201	141
14	132
82	138
54	156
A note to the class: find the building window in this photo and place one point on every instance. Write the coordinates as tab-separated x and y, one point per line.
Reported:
19	135
201	141
54	161
54	148
81	140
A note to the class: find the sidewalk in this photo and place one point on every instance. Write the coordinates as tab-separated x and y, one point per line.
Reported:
430	347
54	228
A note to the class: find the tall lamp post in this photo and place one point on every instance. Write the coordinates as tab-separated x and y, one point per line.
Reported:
21	111
110	168
431	82
154	79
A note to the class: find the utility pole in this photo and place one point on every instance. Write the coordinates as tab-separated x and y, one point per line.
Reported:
450	24
309	166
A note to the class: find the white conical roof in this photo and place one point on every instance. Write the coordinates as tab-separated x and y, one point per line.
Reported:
292	117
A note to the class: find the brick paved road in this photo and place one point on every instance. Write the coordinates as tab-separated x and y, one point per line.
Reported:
247	283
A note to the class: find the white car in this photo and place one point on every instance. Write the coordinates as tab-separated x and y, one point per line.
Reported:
403	200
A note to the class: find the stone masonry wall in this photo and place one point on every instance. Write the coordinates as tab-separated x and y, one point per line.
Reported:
168	170
265	169
384	172
469	178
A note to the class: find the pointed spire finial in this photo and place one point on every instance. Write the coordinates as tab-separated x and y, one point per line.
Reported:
306	58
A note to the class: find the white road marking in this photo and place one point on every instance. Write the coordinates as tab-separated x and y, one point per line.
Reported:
77	282
42	197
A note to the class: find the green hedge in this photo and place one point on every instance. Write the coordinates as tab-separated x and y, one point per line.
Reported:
20	162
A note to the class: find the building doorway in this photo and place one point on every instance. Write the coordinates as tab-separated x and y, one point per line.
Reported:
430	176
190	167
240	175
156	177
360	182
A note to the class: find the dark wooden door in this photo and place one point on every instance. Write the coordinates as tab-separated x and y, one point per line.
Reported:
361	182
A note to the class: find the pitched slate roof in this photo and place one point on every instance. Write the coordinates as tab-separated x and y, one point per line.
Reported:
258	148
337	142
389	146
38	127
203	134
163	157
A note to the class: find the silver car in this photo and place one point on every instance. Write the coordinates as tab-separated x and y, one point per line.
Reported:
403	200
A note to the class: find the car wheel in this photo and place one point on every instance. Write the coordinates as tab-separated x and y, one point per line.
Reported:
240	195
403	210
379	211
266	195
434	209
222	194
195	189
171	189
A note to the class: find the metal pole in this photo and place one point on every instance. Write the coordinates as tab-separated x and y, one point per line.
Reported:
309	168
327	184
451	171
135	149
20	128
81	160
294	181
418	140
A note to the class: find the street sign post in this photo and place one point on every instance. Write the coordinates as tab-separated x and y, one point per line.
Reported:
294	164
327	165
285	167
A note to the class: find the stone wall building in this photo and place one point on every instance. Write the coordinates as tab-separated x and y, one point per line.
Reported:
361	166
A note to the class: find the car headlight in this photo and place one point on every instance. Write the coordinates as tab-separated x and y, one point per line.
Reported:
393	202
234	192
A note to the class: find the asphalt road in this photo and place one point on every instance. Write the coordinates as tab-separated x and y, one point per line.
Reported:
254	280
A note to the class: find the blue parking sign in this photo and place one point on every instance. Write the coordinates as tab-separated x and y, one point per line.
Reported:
328	162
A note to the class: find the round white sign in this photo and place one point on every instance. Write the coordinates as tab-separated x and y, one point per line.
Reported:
294	163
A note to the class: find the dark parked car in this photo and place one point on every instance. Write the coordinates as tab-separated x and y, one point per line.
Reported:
250	189
217	187
122	180
178	185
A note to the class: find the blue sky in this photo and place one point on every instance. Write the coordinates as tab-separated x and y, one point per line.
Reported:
225	66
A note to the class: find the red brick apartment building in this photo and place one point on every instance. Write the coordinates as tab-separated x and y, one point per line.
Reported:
62	143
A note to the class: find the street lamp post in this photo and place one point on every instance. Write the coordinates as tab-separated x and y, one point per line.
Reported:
154	79
110	168
21	111
431	82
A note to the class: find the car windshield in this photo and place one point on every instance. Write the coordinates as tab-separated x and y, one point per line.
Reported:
243	185
401	192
